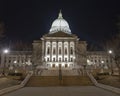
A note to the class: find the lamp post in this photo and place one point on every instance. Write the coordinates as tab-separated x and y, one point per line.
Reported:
5	51
110	54
102	66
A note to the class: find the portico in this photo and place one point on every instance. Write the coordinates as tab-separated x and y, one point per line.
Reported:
58	48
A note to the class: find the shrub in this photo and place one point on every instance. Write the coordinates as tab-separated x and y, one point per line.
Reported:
105	73
99	78
15	74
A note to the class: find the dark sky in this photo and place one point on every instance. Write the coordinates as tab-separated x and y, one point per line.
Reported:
91	20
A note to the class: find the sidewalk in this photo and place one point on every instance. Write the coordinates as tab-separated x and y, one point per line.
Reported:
62	91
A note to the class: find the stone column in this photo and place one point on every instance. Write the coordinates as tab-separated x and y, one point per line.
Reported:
68	51
43	50
76	60
56	51
51	51
62	51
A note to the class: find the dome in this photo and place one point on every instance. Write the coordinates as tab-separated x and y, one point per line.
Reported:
60	24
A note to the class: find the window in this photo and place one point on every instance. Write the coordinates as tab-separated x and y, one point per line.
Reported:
71	59
53	59
59	50
66	51
22	61
48	59
106	61
60	59
9	61
95	61
66	65
65	59
53	65
53	51
71	50
48	50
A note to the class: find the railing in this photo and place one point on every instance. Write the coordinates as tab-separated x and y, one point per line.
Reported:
60	75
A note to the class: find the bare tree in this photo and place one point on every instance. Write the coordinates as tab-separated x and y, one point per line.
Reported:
92	47
114	45
81	55
37	54
20	46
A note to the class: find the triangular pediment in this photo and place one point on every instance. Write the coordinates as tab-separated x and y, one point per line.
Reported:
60	34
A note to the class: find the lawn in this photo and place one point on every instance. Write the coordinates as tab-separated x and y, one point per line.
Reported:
109	80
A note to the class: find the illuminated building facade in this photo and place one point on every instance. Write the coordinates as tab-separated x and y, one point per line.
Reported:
57	49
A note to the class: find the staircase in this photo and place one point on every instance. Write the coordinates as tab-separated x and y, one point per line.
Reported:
76	81
39	81
56	73
50	73
70	73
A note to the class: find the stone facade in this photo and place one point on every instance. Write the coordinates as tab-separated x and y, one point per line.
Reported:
100	59
58	50
16	59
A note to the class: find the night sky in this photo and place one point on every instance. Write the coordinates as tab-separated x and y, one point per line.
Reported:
92	20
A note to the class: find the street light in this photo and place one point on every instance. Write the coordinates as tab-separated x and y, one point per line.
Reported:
110	53
102	67
5	51
102	63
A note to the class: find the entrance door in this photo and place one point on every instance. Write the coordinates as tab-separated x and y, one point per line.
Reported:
66	65
60	66
53	65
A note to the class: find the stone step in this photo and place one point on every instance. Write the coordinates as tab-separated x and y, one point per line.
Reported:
37	81
56	73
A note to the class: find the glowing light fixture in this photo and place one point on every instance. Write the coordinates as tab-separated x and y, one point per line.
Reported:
110	52
6	51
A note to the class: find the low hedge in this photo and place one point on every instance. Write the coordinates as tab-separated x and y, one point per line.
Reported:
15	74
105	73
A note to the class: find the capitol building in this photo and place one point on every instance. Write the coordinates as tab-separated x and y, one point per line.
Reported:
59	48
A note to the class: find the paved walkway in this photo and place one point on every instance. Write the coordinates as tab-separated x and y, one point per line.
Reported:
62	91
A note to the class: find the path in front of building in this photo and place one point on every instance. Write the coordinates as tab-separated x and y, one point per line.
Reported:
62	91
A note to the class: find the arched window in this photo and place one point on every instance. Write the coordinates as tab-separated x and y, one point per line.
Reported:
48	50
66	51
53	51
59	59
54	59
71	50
65	59
59	50
48	59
